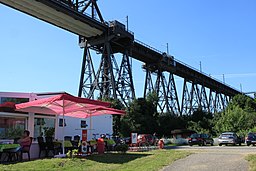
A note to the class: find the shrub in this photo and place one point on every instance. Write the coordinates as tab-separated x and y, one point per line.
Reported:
122	148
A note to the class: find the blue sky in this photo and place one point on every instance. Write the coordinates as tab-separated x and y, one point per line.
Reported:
39	57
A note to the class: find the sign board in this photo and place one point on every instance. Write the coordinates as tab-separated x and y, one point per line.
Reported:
134	138
84	141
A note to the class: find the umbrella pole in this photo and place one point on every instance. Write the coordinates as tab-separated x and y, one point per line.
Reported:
63	125
90	125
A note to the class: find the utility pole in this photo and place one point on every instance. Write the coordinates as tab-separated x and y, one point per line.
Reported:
241	88
223	78
127	23
200	66
167	48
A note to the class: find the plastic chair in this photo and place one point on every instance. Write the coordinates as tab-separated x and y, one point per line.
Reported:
67	138
75	142
51	147
42	146
77	138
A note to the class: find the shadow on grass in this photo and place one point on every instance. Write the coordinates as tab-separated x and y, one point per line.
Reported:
175	147
116	158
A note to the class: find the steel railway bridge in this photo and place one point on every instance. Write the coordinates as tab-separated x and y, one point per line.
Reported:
83	17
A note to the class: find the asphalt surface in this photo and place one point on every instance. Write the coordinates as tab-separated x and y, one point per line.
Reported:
213	158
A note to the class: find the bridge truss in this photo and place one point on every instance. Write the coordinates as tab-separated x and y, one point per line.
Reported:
115	80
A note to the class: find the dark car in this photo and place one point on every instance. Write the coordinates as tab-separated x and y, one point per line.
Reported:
229	138
251	139
200	139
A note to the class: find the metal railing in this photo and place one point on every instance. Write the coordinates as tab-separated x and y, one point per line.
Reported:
193	68
150	47
205	74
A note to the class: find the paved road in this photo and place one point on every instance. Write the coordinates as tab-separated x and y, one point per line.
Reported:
213	158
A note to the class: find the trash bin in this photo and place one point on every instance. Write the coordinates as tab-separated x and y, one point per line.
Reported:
101	146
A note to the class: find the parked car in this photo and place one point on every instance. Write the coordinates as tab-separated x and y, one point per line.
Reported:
147	139
200	139
251	139
229	138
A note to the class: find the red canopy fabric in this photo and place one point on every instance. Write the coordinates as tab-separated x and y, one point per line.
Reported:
59	104
86	113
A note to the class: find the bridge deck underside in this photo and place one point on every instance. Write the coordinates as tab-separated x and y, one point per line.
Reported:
59	15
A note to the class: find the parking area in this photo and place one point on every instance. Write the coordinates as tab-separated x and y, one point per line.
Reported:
212	158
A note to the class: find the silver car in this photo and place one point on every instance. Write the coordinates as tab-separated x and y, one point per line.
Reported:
229	138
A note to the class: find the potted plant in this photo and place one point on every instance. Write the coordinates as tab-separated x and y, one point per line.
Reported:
49	131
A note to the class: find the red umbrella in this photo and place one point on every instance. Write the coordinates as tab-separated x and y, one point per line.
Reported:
61	105
95	111
85	113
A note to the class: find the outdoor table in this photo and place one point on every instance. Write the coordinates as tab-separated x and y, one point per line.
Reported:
67	145
7	146
93	142
109	144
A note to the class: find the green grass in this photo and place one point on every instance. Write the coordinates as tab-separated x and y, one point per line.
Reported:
252	161
153	160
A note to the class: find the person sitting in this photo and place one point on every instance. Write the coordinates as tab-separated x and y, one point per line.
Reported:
25	143
25	140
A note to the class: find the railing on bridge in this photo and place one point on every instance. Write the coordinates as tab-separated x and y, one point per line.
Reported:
188	66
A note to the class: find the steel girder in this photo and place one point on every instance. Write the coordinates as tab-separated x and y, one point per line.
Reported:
194	98
109	81
204	100
87	75
83	6
211	102
186	98
104	81
166	91
125	86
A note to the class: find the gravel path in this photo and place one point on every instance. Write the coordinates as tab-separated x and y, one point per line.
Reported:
211	160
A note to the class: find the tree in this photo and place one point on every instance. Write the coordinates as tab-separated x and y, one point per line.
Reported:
141	116
168	122
239	116
201	121
244	102
235	119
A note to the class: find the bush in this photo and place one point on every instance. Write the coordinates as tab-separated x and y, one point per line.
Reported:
122	148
